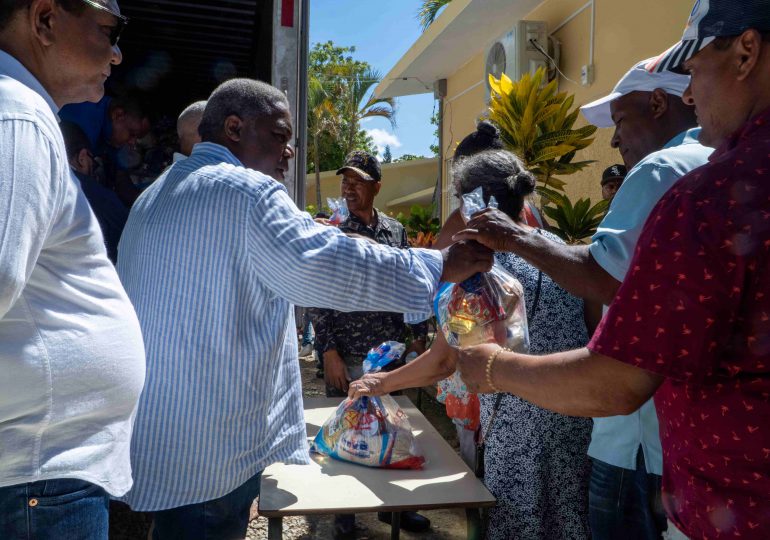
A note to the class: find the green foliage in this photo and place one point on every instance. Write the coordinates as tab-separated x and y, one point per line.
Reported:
407	157
313	209
387	156
574	223
339	97
536	122
420	220
434	148
429	11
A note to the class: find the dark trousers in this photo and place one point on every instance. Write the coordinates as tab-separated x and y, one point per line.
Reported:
66	508
625	504
226	518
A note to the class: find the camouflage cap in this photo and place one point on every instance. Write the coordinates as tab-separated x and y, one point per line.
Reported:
364	164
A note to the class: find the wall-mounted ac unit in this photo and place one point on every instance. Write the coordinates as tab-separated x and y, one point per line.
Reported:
518	52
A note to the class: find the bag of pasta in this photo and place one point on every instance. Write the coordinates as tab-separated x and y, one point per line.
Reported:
371	431
485	308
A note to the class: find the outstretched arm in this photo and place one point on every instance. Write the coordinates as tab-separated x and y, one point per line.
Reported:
572	267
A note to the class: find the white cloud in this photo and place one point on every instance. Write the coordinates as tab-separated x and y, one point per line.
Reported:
382	139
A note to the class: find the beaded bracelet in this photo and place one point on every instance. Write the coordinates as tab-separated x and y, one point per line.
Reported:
490	362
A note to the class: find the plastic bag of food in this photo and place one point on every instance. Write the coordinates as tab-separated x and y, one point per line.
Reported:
339	208
371	431
485	308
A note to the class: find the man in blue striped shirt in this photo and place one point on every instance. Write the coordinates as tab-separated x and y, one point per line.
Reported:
213	256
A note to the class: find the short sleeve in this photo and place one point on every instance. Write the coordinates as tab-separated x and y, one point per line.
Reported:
673	312
616	237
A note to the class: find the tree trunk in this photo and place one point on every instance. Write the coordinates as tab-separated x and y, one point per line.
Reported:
317	166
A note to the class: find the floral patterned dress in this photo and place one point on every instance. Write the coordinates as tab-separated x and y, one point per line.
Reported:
535	461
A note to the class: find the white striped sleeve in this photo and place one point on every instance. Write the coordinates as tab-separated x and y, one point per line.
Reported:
317	266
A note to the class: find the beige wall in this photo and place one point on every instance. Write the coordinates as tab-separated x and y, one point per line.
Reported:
398	180
625	32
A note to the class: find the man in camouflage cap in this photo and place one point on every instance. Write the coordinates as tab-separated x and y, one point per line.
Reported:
343	339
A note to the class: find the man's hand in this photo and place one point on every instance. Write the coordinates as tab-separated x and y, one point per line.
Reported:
371	384
463	259
494	229
323	221
472	365
335	371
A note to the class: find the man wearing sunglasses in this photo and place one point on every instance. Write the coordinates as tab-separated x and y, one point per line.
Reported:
71	351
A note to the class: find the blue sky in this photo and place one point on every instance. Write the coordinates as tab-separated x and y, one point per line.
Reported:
381	33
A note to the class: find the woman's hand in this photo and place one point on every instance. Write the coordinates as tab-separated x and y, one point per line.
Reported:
371	384
494	229
472	364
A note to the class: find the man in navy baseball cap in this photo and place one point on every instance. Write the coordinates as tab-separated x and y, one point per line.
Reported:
711	19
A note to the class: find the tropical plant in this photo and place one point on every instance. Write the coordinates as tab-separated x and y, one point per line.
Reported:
574	222
429	10
421	225
387	155
340	76
359	102
536	122
322	120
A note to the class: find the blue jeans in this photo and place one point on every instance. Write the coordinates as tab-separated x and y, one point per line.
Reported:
225	518
66	508
625	504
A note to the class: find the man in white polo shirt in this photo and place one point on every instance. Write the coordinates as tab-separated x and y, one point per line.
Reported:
71	351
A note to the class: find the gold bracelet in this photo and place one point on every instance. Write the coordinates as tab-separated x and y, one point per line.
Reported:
490	362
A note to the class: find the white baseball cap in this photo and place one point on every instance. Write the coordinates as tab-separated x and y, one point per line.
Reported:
638	79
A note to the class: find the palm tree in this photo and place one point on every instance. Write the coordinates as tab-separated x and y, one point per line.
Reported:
359	103
322	120
429	11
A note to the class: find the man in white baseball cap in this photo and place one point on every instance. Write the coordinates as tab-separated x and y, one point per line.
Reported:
655	136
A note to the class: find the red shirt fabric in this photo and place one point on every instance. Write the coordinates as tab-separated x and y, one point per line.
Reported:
695	308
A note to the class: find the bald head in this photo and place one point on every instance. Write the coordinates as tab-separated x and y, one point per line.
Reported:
187	127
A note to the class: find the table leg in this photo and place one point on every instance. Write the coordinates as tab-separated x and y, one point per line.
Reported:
473	518
274	528
395	526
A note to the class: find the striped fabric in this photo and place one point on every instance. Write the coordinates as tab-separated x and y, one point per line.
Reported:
213	256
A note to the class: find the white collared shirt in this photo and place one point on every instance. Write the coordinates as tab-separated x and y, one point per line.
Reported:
71	351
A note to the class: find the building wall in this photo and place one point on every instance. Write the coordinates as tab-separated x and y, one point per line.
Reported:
625	32
398	180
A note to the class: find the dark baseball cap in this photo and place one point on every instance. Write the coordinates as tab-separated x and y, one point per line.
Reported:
364	164
613	172
711	19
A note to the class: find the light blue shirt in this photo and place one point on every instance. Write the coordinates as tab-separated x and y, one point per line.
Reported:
213	256
616	440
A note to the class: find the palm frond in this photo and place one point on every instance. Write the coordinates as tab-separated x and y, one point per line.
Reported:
429	11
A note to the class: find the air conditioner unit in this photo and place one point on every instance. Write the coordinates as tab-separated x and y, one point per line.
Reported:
519	51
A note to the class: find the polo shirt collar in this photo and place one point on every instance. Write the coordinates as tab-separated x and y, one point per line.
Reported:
216	152
688	136
14	69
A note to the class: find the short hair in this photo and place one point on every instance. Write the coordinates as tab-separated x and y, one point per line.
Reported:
75	138
130	105
8	8
244	98
486	137
499	173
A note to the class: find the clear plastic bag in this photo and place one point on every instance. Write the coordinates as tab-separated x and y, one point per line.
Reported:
485	308
371	431
339	208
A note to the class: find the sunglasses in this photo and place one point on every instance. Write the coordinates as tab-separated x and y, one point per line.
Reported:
121	23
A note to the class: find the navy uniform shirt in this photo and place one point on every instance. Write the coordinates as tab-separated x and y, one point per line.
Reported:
353	334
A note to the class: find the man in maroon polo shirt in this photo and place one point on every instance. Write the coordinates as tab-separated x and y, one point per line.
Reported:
692	318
